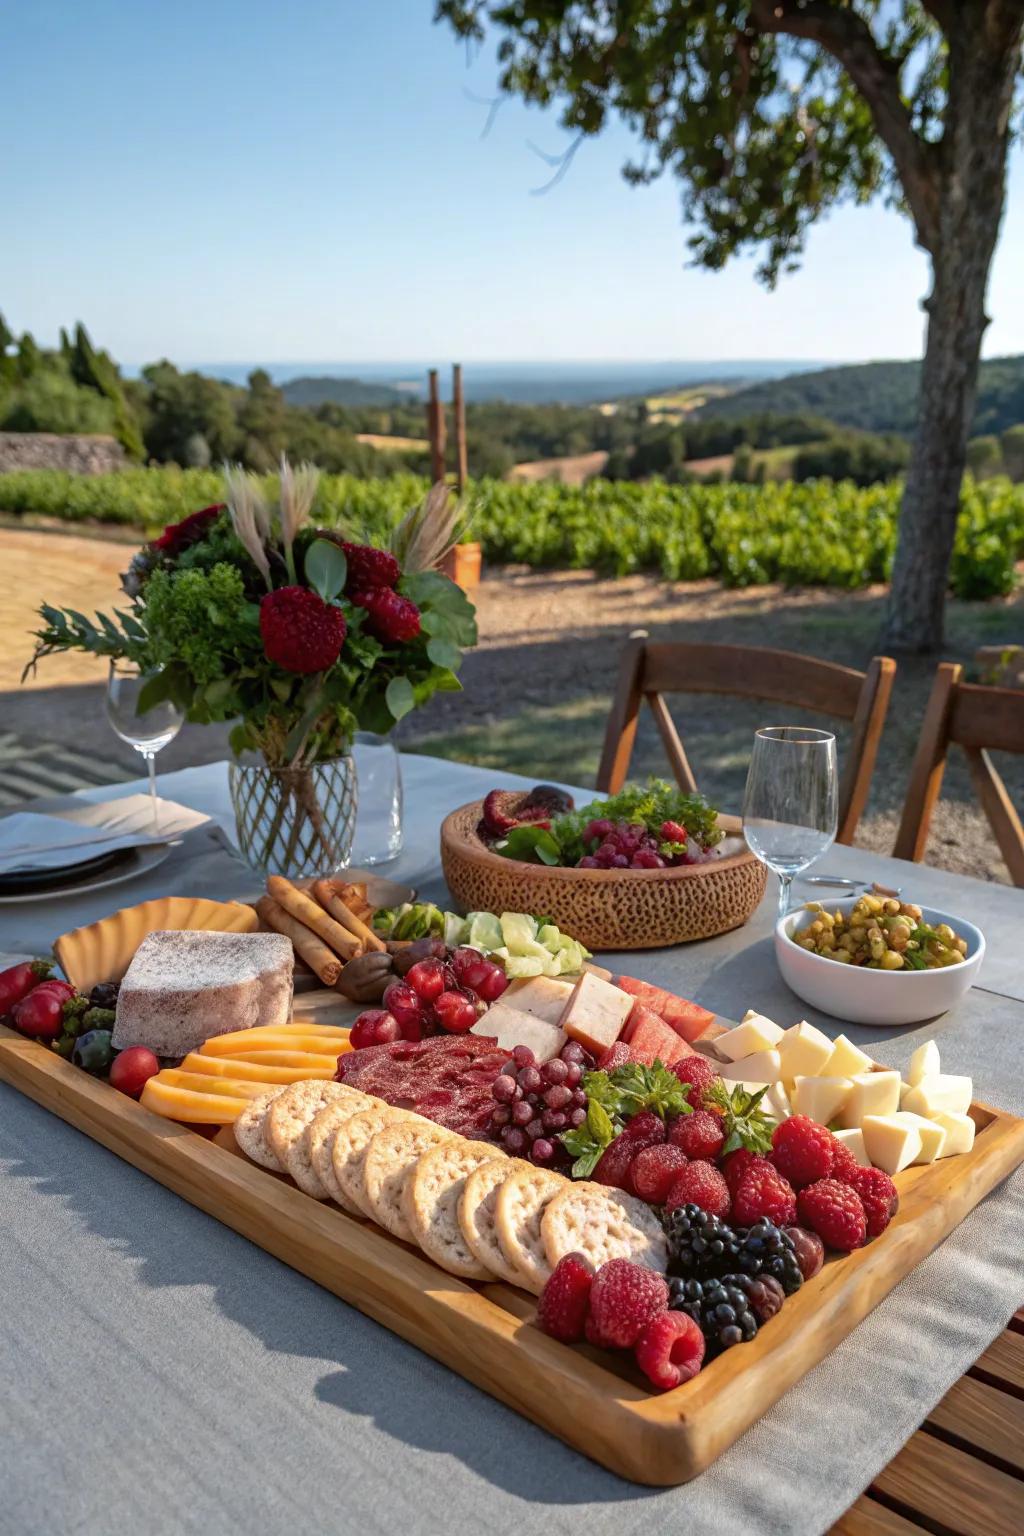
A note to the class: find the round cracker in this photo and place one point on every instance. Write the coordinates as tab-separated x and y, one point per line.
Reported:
350	1143
476	1215
521	1203
603	1223
250	1130
321	1133
390	1159
430	1205
287	1123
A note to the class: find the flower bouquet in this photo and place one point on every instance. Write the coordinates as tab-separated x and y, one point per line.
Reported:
247	612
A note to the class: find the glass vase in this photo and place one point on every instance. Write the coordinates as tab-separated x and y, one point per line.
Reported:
295	821
378	837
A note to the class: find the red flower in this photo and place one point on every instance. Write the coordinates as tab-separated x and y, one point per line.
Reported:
178	536
390	618
301	633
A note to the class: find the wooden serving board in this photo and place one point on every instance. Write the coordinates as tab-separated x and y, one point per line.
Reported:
595	1401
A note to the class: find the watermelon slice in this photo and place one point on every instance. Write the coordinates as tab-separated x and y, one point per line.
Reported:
688	1020
652	1040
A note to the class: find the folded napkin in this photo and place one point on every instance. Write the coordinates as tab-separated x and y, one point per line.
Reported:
31	840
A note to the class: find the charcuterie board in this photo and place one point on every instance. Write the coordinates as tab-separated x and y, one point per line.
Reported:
594	1400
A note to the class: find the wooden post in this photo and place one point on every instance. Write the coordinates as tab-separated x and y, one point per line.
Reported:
459	403
435	428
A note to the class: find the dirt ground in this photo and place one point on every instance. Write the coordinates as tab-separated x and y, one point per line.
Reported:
538	687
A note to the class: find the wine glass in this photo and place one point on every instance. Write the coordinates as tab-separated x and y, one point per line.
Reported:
790	809
148	732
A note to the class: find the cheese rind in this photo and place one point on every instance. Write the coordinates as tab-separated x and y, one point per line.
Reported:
511	1027
891	1142
853	1141
933	1136
761	1067
873	1093
944	1094
846	1060
923	1063
753	1035
595	1012
820	1098
804	1051
959	1131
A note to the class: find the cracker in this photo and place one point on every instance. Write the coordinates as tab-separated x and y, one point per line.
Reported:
350	1143
603	1223
517	1216
321	1134
430	1204
390	1159
286	1126
476	1215
251	1130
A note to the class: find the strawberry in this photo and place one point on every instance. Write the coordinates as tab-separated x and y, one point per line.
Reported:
369	568
389	617
301	633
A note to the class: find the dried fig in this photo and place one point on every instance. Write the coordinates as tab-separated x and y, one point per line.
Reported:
364	979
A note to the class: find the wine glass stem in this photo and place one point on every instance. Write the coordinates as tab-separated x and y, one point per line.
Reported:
151	768
785	887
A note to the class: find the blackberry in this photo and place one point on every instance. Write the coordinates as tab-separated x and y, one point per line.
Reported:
700	1245
721	1309
763	1292
764	1249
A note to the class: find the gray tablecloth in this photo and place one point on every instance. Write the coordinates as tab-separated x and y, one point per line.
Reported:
160	1374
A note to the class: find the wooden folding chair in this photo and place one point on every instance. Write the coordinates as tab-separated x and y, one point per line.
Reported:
978	720
647	671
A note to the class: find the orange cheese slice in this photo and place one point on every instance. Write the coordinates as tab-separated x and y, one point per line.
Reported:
286	1058
250	1072
200	1082
247	1041
194	1108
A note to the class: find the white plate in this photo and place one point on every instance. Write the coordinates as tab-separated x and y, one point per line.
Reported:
141	862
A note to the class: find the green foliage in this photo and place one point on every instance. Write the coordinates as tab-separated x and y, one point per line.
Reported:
984	455
865	458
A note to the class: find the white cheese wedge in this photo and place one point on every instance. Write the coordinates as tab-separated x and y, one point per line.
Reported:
944	1094
959	1131
874	1093
821	1098
924	1063
891	1142
761	1067
596	1012
933	1136
543	996
512	1027
804	1051
853	1140
753	1035
846	1059
775	1102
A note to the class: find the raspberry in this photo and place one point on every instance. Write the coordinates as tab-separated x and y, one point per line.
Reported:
761	1193
844	1164
616	1055
700	1184
835	1212
301	633
699	1073
653	1172
369	567
877	1195
623	1297
565	1299
390	618
699	1135
802	1150
645	1129
809	1250
737	1163
670	1350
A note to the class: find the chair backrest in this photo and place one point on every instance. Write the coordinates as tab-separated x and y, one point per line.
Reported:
648	671
978	720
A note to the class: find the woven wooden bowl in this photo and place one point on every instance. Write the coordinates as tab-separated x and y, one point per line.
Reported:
604	908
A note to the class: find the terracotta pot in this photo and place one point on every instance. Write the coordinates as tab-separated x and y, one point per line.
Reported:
605	908
462	565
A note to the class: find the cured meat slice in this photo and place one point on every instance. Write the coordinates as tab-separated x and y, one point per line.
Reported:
446	1078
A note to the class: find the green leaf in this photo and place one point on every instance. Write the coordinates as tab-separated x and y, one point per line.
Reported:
326	568
599	1123
531	845
399	697
443	653
155	690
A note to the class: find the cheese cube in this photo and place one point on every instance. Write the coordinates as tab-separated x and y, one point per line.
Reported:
804	1051
959	1131
595	1012
846	1059
753	1035
874	1093
890	1142
543	996
761	1067
933	1136
821	1098
775	1103
512	1027
853	1140
924	1063
946	1094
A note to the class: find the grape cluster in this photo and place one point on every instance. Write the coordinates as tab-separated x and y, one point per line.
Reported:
632	845
535	1102
438	989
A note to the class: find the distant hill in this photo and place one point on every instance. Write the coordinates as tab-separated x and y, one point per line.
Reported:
328	391
876	397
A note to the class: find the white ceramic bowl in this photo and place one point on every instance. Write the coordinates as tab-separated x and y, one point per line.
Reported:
862	996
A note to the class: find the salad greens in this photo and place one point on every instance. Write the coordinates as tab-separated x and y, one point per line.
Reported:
525	945
651	804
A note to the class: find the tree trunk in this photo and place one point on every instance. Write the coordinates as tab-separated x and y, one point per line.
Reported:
972	180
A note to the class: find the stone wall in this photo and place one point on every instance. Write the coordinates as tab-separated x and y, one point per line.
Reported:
76	455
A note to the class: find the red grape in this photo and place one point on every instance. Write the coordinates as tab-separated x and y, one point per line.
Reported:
427	979
542	1150
530	1080
504	1088
492	984
558	1096
524	1057
374	1027
470	966
400	1000
454	1012
131	1069
522	1112
555	1071
514	1139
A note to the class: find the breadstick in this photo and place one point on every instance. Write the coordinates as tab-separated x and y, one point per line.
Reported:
302	906
306	944
328	898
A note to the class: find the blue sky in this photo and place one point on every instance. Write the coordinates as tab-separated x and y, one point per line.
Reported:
305	180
